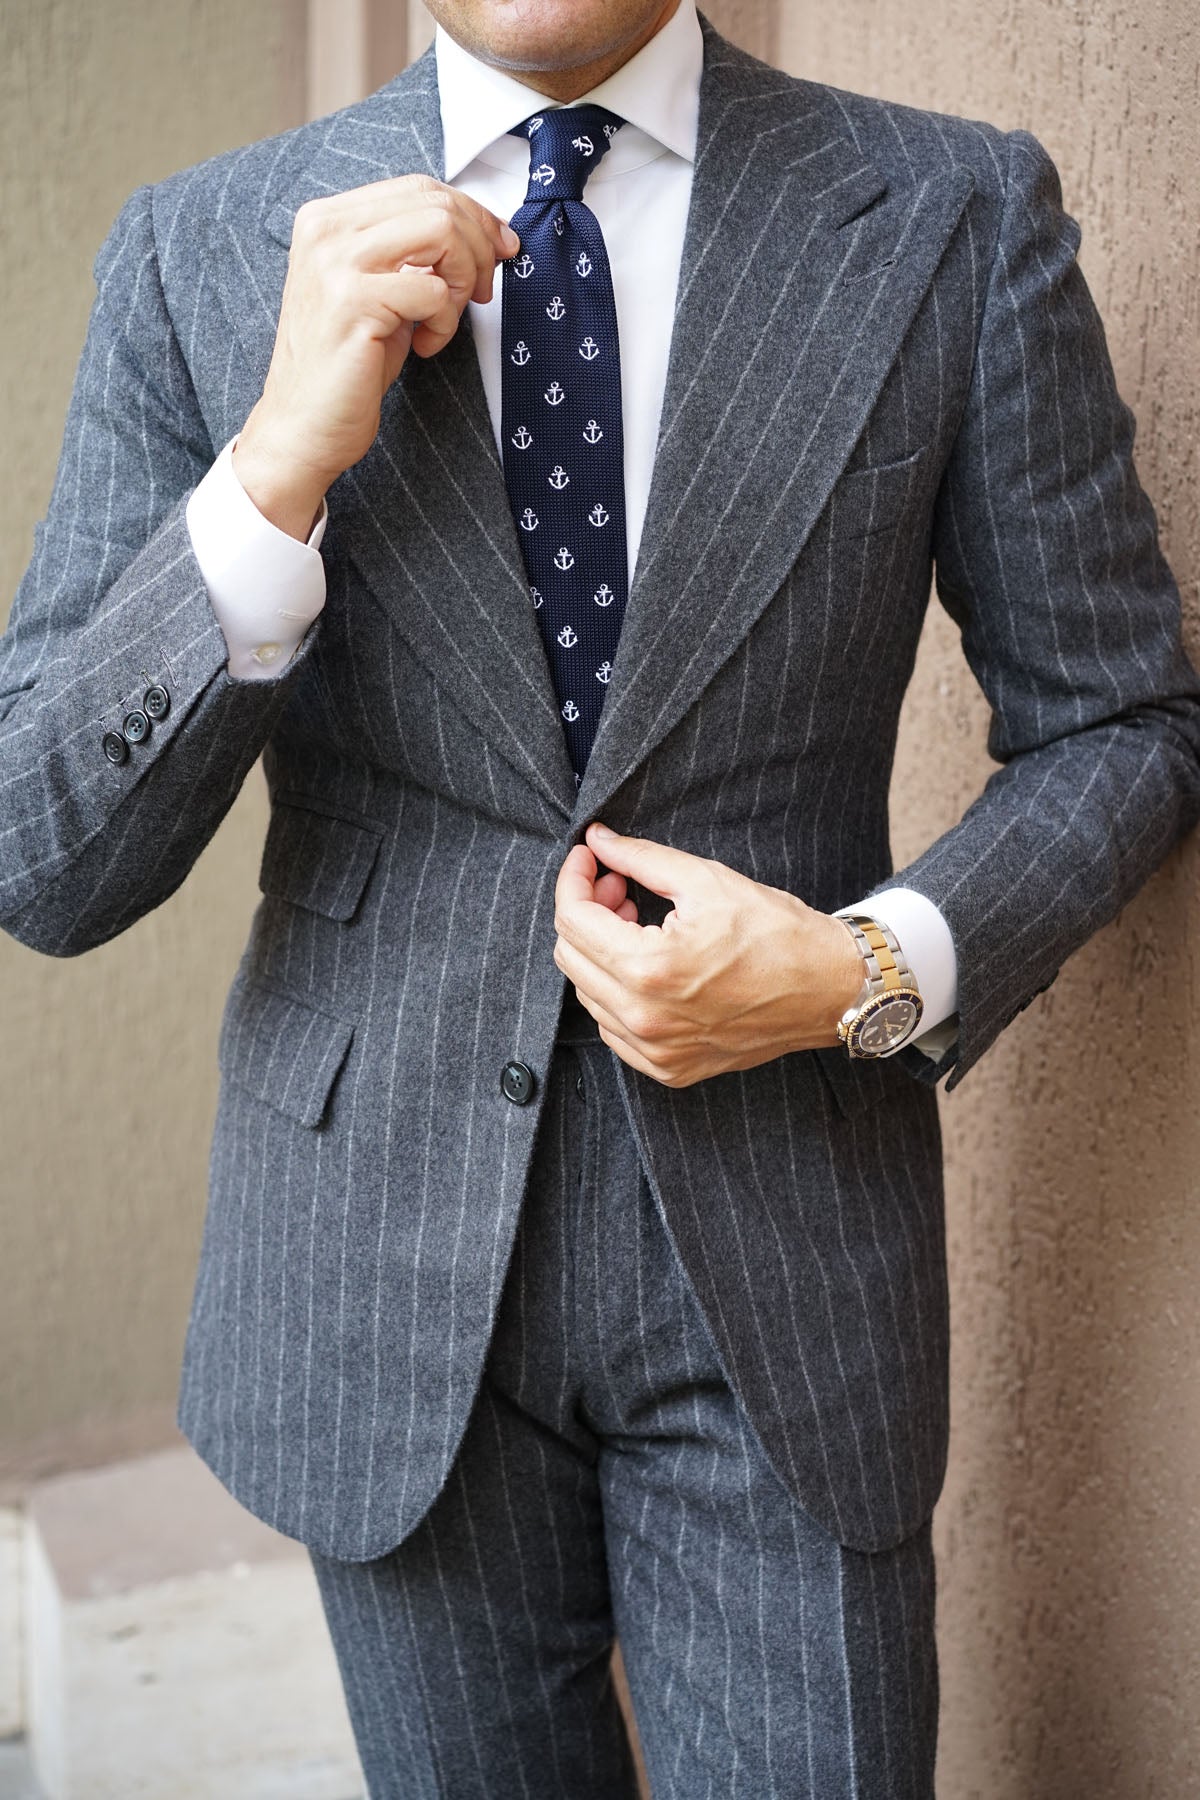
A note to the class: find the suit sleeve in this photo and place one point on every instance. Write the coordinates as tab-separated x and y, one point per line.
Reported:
113	604
1047	557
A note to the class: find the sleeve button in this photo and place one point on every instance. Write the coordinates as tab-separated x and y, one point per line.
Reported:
156	701
136	727
115	747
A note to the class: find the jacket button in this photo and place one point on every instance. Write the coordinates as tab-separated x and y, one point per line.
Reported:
136	727
157	701
517	1083
114	747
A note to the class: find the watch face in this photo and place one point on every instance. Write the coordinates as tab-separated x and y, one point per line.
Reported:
887	1026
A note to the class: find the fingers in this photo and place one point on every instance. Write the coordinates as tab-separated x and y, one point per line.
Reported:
592	984
377	202
436	235
672	873
630	1054
612	891
576	883
373	273
615	1032
603	935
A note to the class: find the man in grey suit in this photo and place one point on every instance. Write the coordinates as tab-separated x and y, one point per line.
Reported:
574	1262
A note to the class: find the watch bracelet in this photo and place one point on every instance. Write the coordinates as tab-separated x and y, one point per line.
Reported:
880	975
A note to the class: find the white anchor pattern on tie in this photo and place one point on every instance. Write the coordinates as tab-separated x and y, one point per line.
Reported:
561	416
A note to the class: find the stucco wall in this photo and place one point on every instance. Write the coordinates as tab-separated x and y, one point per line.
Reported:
1070	1559
107	1080
1070	1600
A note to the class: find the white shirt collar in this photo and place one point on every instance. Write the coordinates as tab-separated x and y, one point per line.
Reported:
657	92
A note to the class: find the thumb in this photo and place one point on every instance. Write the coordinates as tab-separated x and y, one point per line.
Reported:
671	873
577	877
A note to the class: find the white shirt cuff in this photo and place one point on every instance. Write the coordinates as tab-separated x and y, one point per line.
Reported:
265	587
924	936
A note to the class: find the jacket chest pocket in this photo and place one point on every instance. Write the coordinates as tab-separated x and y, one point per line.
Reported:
876	497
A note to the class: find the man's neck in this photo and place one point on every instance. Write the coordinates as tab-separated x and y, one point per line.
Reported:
565	85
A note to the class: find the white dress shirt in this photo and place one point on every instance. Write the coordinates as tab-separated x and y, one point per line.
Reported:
266	588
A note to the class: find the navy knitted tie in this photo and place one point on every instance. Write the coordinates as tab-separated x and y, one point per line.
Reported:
561	415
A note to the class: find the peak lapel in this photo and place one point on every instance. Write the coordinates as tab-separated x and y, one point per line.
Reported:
801	273
425	514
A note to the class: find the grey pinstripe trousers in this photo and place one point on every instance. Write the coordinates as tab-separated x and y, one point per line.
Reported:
608	1483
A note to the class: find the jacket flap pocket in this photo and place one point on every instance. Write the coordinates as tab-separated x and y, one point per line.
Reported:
282	1050
851	1082
317	859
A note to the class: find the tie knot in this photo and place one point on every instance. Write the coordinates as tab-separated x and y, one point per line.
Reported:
566	144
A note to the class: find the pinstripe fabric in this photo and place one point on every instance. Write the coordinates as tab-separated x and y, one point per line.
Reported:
890	301
608	1480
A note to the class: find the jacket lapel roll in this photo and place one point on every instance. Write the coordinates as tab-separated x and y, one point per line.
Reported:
424	515
801	273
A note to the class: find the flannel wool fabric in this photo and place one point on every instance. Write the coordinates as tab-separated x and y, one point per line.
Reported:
608	1482
885	363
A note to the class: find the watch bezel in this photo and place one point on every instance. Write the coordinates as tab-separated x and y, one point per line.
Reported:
852	1029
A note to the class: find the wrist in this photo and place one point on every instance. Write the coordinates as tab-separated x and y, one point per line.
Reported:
845	973
826	978
287	492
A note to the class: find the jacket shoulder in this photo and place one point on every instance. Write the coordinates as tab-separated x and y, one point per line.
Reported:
243	184
907	143
912	143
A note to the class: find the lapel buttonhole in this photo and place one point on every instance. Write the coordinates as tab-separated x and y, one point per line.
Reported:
889	262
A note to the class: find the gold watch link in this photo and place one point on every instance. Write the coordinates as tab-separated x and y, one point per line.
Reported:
888	1008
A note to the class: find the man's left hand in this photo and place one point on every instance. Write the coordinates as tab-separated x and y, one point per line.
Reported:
737	974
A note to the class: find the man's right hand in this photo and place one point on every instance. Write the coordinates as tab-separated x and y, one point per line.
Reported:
373	273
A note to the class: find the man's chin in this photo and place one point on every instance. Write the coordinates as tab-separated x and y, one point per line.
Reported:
525	36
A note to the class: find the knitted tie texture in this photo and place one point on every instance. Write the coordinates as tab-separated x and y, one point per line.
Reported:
561	416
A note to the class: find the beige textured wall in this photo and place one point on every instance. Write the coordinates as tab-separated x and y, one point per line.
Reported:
107	1079
1070	1610
1070	1557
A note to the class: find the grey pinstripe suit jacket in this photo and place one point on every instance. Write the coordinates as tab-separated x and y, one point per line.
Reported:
884	356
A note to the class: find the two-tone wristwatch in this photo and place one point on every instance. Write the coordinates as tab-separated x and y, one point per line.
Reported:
888	1007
